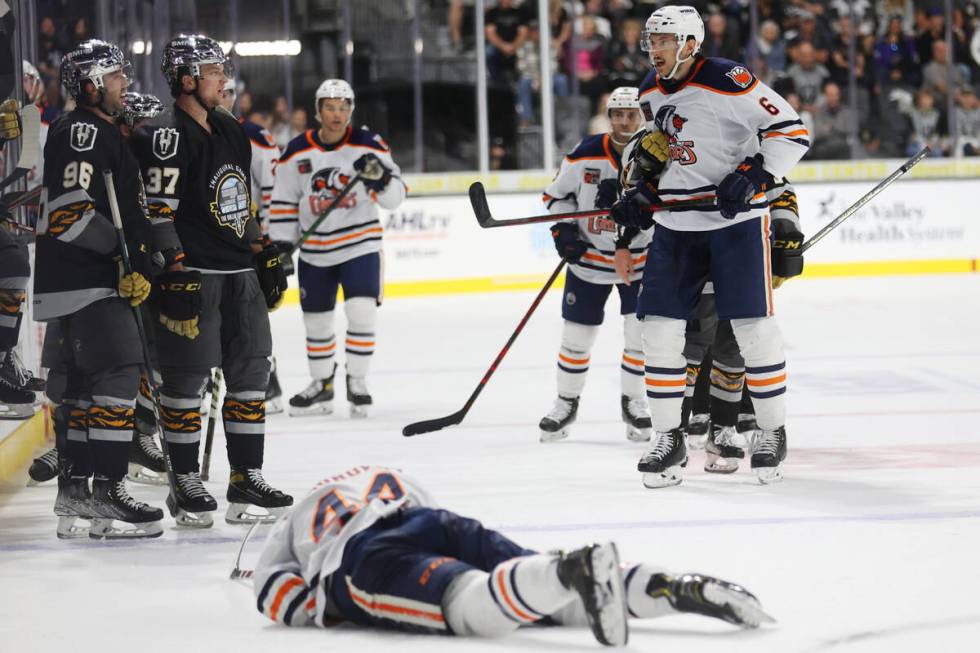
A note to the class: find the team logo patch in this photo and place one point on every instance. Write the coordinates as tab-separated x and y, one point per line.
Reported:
671	123
740	76
591	176
325	186
83	136
231	205
304	166
165	142
570	298
647	111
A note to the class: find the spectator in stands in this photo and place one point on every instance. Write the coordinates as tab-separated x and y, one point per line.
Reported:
935	30
831	126
904	10
771	48
506	30
589	61
603	27
967	124
78	33
529	69
461	24
279	120
837	64
895	53
859	12
561	25
808	75
793	98
808	32
928	126
721	39
936	75
298	123
245	103
628	63
49	49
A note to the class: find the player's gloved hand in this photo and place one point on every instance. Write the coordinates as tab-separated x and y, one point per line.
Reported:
735	192
272	277
711	597
285	249
374	174
651	153
136	286
632	209
787	252
607	193
570	247
180	301
9	120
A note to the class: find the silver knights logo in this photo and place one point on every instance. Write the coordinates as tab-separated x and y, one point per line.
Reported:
165	142
83	136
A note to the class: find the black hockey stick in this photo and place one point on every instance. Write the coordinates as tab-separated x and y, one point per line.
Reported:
867	197
216	382
478	200
323	216
110	187
430	425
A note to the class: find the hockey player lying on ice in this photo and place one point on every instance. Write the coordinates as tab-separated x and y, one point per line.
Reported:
370	546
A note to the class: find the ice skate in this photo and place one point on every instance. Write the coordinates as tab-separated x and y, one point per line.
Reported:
747	426
115	510
662	465
316	399
594	573
146	461
768	453
74	502
710	597
722	452
273	393
247	488
636	416
16	399
698	428
43	468
14	369
192	505
358	396
555	425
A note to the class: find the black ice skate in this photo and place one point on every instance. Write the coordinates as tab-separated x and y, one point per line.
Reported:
358	396
246	487
114	507
273	393
16	399
146	461
316	399
661	466
13	368
636	416
44	468
722	452
711	597
746	426
698	428
74	502
192	504
593	572
768	452
555	425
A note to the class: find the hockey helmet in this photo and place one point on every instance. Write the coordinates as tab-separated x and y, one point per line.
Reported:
140	106
33	84
186	53
683	22
334	88
624	97
90	60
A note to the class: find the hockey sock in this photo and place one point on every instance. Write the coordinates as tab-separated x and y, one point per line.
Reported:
362	313
110	430
244	420
573	357
699	389
76	444
726	393
666	369
761	343
11	301
321	344
146	422
180	419
631	375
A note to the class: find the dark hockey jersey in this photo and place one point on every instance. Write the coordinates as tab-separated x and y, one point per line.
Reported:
198	190
76	241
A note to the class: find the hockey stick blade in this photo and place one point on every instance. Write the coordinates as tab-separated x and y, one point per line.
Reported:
430	425
478	200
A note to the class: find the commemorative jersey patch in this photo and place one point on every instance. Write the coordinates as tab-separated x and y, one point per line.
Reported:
83	136
304	166
165	142
647	111
740	76
592	176
231	205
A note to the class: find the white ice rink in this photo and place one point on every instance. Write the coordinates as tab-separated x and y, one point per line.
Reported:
872	543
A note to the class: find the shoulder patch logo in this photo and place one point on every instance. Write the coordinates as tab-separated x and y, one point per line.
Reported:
165	142
740	76
83	136
592	175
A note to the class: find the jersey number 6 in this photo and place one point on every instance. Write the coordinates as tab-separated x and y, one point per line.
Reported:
764	101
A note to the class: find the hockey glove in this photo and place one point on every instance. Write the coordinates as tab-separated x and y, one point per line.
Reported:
285	250
735	192
651	154
180	302
135	286
9	120
570	247
631	210
607	193
787	252
272	277
374	174
711	597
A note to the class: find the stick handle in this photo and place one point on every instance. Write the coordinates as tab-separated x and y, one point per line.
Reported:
212	421
323	216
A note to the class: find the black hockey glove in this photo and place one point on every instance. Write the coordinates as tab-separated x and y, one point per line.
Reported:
631	210
570	247
180	301
735	192
285	249
607	193
787	252
374	174
272	277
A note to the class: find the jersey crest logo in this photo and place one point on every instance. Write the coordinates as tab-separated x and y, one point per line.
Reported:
325	185
165	142
671	123
740	76
231	203
591	176
83	136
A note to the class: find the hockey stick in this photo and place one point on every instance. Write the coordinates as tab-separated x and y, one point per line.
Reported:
323	216
212	420
430	425
854	208
238	573
478	200
30	146
110	187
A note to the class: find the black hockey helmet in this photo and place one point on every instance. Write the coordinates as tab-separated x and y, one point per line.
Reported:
186	53
140	106
90	60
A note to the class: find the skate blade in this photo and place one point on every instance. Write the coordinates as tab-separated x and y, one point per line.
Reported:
697	442
612	628
768	475
553	436
359	411
195	520
238	514
68	529
139	474
16	411
746	608
273	406
634	434
668	478
316	409
721	465
105	529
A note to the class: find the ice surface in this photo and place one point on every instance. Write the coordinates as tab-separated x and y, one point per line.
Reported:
870	544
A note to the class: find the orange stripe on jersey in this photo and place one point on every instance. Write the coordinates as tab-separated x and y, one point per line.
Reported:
358	234
632	361
311	604
510	604
284	211
573	361
659	383
798	132
764	382
281	595
396	609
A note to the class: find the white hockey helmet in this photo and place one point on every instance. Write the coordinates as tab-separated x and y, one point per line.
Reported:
683	22
624	97
334	88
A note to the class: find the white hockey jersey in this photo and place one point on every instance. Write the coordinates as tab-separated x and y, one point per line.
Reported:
310	175
307	545
574	188
718	117
265	156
